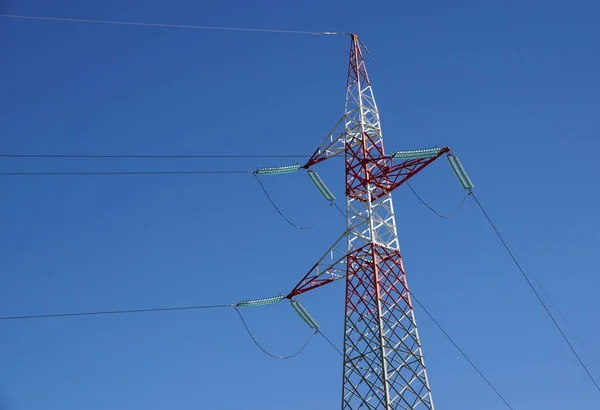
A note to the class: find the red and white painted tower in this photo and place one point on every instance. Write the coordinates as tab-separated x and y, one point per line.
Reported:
383	360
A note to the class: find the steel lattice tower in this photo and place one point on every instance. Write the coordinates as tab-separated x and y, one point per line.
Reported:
383	360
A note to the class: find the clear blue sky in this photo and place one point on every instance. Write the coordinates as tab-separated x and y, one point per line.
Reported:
511	86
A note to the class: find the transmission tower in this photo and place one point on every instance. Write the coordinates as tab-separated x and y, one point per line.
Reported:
383	359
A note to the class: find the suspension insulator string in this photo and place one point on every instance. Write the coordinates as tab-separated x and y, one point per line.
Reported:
303	313
320	184
258	302
460	172
417	153
287	169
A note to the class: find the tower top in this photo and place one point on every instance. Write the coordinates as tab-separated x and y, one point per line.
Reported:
357	69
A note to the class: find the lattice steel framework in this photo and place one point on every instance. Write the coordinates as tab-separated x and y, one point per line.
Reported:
383	361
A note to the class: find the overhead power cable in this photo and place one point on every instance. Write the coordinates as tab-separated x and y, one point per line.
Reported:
461	351
184	26
554	304
93	156
330	343
339	210
536	293
154	310
433	210
285	218
564	317
267	352
112	312
122	173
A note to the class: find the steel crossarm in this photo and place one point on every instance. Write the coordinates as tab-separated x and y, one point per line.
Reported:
329	268
334	144
386	177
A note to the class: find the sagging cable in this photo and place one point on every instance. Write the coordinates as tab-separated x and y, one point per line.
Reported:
287	169
320	184
304	314
258	302
281	213
417	153
433	210
460	172
266	351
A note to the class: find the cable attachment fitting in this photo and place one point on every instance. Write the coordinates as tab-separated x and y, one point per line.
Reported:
304	314
460	172
258	302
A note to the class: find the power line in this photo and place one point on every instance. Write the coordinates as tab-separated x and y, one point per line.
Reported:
433	210
112	312
330	343
555	305
282	214
93	156
123	173
566	320
536	292
339	209
264	350
195	27
152	310
461	351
